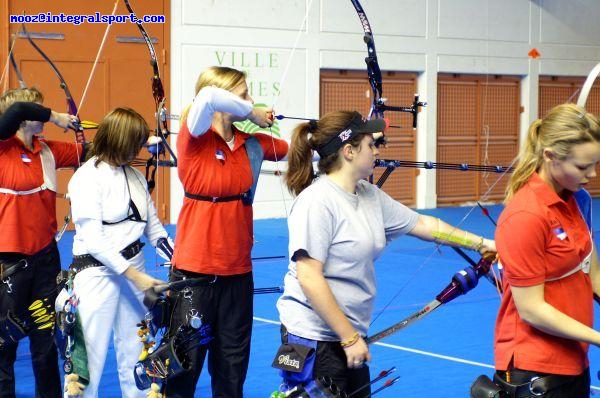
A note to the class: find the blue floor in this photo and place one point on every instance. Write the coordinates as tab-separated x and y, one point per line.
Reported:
439	355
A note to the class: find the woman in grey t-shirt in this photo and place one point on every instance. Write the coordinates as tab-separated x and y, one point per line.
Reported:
338	225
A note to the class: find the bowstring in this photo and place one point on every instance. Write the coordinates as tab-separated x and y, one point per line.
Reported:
96	60
5	69
484	197
485	128
69	215
92	72
278	171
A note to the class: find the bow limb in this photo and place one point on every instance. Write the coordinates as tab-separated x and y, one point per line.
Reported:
373	70
378	106
158	92
71	106
462	282
161	114
587	86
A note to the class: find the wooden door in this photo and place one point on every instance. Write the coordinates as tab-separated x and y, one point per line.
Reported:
478	124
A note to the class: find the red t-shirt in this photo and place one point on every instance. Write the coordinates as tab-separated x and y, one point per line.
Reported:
217	238
540	237
28	222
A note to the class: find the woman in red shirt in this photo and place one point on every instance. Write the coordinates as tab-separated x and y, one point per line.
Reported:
218	168
29	258
544	325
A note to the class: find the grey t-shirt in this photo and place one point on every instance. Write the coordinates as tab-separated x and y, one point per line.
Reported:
346	232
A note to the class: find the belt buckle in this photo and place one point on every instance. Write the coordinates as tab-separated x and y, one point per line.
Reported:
214	199
532	388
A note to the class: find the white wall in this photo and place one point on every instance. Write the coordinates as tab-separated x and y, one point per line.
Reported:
424	36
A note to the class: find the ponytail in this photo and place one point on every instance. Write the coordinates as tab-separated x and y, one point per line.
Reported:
300	170
530	159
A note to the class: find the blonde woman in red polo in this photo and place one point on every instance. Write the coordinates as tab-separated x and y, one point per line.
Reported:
544	325
29	258
218	168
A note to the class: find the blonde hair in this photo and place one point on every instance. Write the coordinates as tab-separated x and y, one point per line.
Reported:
217	76
562	128
120	136
309	136
27	94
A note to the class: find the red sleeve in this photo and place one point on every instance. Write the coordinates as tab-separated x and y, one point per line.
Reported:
66	154
274	148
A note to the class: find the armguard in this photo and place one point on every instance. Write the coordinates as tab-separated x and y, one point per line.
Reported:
164	247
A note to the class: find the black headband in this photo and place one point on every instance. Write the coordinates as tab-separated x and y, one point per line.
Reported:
356	126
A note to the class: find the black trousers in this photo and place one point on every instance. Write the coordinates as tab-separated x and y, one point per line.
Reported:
227	306
579	387
36	282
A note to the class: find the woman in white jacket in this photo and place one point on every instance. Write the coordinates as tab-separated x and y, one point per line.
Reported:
111	210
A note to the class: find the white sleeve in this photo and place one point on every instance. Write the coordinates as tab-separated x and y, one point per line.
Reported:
86	208
98	244
210	100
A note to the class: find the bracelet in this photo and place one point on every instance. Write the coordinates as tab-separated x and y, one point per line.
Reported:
351	341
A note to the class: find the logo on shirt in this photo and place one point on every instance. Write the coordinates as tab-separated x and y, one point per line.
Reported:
560	233
25	158
220	155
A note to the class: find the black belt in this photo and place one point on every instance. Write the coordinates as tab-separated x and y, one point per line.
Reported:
197	279
9	269
538	386
87	260
217	199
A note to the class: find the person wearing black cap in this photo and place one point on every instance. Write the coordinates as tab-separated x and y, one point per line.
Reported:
338	225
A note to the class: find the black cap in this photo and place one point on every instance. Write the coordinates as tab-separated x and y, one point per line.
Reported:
357	126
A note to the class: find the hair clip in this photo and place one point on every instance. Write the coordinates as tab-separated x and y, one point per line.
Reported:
312	125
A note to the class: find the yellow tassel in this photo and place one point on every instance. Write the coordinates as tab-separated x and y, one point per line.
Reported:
43	319
46	326
39	312
35	305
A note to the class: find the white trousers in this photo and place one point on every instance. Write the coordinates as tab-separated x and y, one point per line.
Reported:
110	305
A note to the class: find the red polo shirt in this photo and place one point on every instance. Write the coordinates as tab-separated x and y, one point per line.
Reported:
28	222
540	237
217	238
